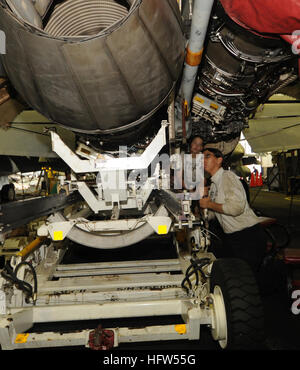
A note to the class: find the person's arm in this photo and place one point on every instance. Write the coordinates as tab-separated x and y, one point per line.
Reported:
235	196
208	204
235	199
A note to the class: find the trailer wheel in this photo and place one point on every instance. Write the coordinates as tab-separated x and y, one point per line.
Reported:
238	320
8	193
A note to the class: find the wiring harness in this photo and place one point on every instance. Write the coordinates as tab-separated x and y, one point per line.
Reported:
195	268
11	275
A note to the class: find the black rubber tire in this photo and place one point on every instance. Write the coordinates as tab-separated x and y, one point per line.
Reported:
8	193
243	305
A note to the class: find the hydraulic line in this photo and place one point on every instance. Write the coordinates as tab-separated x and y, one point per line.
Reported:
11	275
195	268
31	247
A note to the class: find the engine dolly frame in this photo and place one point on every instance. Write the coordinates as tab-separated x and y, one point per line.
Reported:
102	291
195	286
203	290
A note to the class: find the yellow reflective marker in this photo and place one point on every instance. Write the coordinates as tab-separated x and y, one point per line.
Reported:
21	338
162	229
58	235
181	329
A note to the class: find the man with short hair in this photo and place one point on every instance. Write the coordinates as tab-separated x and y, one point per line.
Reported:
244	236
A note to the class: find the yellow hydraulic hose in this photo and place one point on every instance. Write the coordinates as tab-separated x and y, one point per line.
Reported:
31	246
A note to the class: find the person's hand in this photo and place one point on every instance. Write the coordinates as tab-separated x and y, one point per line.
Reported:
205	202
206	191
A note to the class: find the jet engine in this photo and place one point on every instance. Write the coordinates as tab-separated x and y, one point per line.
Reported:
131	81
241	69
93	66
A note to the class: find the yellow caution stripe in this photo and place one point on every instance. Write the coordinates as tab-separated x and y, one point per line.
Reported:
200	100
193	59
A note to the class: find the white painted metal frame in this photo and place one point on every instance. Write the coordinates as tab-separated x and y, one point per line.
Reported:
138	200
114	168
102	291
107	163
64	227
